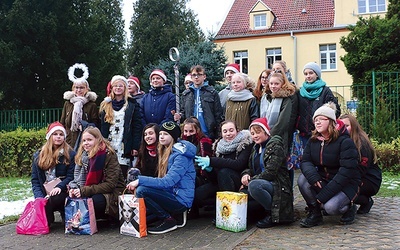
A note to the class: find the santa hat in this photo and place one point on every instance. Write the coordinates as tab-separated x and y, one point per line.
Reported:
328	110
160	73
119	78
108	89
232	67
135	80
53	127
188	77
263	123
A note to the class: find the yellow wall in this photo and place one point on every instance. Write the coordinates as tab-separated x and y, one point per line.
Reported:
347	12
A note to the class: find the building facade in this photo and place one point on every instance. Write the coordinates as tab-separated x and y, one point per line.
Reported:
256	33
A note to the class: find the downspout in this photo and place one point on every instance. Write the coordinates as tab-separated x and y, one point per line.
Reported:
295	56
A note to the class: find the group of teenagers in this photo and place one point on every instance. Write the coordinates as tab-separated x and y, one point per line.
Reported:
238	139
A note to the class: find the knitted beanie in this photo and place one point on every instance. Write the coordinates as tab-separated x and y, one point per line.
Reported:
160	73
314	67
328	110
171	128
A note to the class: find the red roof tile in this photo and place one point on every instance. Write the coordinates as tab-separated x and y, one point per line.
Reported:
289	17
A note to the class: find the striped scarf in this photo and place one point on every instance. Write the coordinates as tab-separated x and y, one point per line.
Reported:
96	166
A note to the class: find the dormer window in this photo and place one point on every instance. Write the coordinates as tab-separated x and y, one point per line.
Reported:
260	21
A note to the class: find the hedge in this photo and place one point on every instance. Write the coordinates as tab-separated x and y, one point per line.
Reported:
17	148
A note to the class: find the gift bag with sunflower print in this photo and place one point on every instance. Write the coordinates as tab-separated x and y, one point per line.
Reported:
231	211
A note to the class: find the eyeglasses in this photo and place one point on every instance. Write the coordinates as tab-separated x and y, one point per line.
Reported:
118	86
264	77
197	75
319	120
80	87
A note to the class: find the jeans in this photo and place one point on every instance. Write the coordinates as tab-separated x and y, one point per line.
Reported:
159	202
338	204
99	205
262	191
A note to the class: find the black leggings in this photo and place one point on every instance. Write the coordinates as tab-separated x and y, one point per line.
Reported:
367	190
55	203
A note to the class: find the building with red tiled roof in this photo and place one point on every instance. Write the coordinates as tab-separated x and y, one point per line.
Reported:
256	33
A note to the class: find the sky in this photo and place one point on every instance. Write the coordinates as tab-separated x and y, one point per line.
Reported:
210	13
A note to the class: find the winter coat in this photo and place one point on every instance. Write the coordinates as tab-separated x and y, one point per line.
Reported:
111	187
284	127
210	103
132	127
64	172
307	108
369	170
180	176
138	97
237	160
90	114
156	106
242	112
276	172
334	163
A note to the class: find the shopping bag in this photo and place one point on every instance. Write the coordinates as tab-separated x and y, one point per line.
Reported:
80	216
132	215
33	220
231	209
296	152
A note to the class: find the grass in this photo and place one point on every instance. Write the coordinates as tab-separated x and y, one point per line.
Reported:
14	189
390	186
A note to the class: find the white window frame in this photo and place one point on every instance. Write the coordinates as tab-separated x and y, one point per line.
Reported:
328	56
260	21
371	6
242	58
272	55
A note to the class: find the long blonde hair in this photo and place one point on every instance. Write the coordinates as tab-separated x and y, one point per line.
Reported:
106	105
101	144
48	156
163	155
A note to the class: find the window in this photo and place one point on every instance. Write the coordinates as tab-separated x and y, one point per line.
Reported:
260	21
241	58
273	55
327	54
370	6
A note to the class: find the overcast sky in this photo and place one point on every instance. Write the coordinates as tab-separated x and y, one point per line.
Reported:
210	13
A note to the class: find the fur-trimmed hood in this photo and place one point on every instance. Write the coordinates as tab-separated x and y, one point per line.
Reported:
246	140
91	96
282	93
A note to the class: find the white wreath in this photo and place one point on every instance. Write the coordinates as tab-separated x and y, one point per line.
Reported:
71	72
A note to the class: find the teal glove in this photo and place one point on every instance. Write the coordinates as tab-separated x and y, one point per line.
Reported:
208	169
203	162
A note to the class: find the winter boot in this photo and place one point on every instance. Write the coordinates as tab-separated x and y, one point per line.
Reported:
314	217
266	221
349	216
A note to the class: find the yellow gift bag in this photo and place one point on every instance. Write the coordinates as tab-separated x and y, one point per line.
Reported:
231	211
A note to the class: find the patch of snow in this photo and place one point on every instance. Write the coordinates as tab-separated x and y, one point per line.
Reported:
9	208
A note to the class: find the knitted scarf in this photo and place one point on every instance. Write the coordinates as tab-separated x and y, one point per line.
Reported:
78	102
96	167
271	110
117	105
224	147
240	96
312	91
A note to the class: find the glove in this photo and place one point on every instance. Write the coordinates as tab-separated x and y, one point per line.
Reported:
208	169
203	162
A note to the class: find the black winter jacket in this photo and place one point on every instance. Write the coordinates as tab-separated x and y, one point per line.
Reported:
334	163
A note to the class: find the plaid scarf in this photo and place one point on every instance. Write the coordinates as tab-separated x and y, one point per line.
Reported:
96	167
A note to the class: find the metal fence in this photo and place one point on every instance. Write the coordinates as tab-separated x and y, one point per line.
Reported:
28	119
368	102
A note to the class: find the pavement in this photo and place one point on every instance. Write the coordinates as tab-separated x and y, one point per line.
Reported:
380	229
